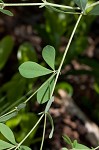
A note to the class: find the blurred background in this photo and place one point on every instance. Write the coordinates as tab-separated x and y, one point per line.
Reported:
75	110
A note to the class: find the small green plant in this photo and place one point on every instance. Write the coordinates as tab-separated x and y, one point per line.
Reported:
74	145
31	69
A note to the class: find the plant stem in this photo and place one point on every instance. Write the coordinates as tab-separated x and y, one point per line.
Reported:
16	102
65	53
8	113
96	148
38	4
29	132
11	148
62	61
43	133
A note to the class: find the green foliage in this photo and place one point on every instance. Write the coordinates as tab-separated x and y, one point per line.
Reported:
95	10
5	145
43	95
6	12
23	123
54	29
67	140
81	3
74	145
31	70
24	148
6	47
81	146
7	117
26	52
5	130
1	1
8	134
48	54
19	85
65	86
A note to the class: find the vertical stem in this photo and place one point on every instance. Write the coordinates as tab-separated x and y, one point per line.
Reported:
66	50
43	133
59	69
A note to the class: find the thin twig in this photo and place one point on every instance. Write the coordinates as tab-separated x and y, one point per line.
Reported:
38	4
29	132
43	133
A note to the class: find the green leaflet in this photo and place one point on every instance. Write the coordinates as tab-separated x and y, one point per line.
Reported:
8	134
43	95
94	11
5	145
82	147
31	70
67	140
6	12
48	54
81	3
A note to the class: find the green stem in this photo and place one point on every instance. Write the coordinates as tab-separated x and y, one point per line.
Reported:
65	53
16	102
96	148
29	132
43	133
8	113
62	61
38	4
11	148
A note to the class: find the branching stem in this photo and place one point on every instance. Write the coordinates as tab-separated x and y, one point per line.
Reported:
65	53
38	4
43	132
